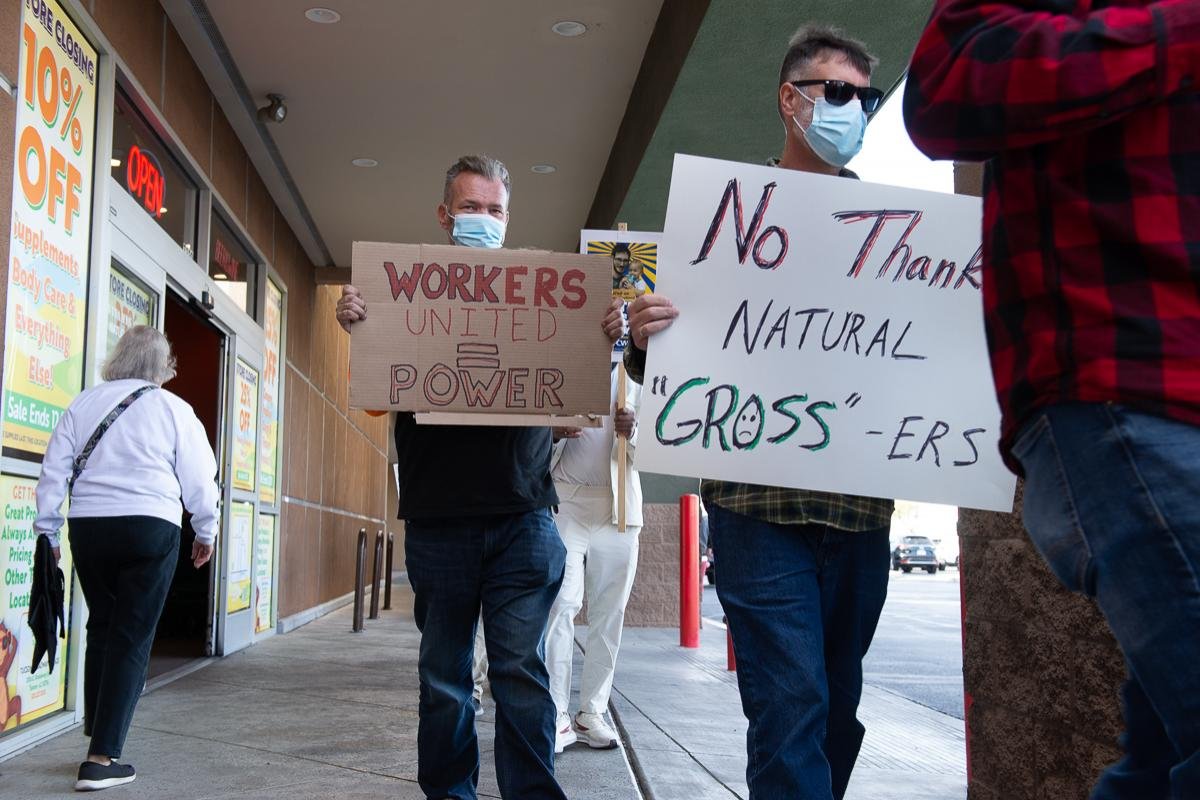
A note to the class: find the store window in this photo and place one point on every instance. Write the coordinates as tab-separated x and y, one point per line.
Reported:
231	264
145	168
130	302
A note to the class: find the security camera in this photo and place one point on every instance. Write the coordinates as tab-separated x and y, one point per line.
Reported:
275	112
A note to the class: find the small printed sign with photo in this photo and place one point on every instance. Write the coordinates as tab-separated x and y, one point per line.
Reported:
634	257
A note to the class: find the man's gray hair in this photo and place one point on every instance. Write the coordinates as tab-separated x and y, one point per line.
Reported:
142	353
484	166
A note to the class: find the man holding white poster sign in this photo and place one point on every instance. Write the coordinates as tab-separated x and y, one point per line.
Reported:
828	337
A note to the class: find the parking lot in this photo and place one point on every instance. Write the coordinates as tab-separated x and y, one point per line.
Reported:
917	651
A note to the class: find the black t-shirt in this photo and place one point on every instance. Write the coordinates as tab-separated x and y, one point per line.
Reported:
471	471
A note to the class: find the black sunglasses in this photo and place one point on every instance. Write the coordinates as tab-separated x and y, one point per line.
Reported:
838	93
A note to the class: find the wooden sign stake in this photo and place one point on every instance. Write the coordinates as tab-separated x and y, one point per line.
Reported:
622	452
622	443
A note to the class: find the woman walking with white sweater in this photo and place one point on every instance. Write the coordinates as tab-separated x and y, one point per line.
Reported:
131	456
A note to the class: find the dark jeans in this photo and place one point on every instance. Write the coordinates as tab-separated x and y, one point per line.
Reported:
125	566
512	565
802	603
1112	501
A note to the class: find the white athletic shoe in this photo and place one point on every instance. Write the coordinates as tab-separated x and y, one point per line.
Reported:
595	732
564	734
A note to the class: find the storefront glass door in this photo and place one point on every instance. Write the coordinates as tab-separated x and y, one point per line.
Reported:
240	587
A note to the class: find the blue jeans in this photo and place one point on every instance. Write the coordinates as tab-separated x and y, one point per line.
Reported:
802	603
1112	501
512	566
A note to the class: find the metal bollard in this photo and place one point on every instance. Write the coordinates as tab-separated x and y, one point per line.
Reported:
378	568
387	572
689	571
360	569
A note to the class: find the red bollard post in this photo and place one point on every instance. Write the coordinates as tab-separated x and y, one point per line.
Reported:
689	570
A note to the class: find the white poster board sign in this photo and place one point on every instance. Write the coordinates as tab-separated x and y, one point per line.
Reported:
830	337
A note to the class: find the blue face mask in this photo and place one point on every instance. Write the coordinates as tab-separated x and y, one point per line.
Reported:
836	132
477	230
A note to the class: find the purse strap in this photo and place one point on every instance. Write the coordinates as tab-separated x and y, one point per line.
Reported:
101	429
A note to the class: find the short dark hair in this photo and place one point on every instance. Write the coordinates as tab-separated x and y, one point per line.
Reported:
814	41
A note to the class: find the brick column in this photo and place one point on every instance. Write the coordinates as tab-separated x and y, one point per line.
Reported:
1039	664
654	602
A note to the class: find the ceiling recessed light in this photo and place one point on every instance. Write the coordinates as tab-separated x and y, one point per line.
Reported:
365	162
325	16
543	169
569	28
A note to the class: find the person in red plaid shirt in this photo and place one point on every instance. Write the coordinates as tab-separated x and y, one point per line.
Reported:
1087	114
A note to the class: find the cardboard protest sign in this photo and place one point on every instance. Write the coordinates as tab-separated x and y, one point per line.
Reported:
509	420
634	257
830	337
460	329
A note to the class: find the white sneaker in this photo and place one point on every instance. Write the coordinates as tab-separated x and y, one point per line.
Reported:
595	732
564	734
477	697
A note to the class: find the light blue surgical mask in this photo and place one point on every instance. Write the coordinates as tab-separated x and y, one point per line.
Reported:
477	230
836	132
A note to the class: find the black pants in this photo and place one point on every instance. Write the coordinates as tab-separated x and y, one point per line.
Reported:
125	566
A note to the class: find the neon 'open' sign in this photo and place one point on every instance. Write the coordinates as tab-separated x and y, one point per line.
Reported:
145	180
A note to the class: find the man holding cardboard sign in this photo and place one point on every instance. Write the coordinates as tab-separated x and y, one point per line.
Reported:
803	574
477	503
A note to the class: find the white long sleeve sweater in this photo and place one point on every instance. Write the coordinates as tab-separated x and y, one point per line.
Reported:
154	461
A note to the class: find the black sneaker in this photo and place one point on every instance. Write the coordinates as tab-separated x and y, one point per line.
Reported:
94	777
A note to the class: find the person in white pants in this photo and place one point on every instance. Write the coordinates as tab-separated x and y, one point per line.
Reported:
479	668
600	561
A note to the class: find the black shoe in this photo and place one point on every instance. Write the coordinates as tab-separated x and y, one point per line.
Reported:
93	776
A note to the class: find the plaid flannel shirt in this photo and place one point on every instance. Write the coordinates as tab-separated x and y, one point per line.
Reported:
1088	116
779	505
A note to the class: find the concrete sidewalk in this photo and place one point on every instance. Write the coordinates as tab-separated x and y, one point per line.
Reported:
318	713
682	714
324	713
